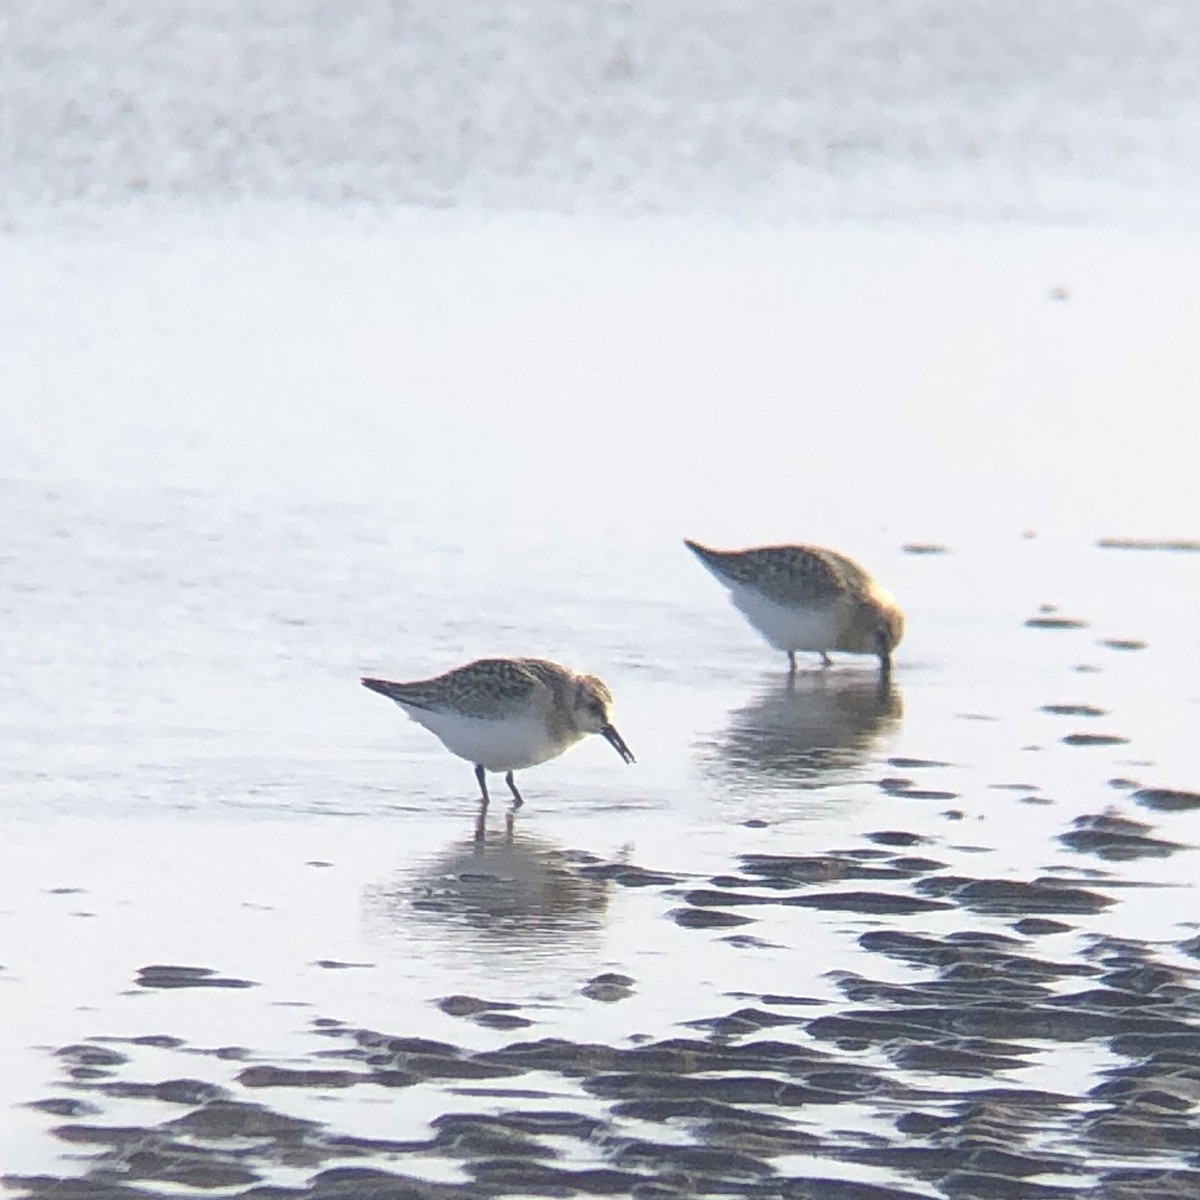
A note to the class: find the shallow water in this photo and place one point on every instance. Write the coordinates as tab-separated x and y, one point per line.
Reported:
253	457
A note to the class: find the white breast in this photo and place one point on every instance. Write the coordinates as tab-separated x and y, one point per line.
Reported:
786	626
506	744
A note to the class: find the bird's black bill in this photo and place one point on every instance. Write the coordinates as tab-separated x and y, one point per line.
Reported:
617	742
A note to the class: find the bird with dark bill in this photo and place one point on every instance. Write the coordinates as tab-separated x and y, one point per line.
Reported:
504	714
809	598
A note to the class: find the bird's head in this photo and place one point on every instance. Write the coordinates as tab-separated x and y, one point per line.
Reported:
591	706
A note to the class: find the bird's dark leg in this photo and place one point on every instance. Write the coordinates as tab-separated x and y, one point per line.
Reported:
791	662
481	819
885	656
883	691
826	661
883	649
512	787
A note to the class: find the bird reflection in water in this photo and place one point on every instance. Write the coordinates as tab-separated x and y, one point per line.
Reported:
512	888
809	729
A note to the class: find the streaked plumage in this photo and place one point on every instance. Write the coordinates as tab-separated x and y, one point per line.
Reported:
808	598
503	714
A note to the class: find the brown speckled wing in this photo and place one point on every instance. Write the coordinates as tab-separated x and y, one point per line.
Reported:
485	688
786	574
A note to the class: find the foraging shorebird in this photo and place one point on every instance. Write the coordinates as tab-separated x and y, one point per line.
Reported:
808	598
503	714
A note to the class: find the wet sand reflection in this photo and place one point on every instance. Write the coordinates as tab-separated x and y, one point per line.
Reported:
808	729
505	891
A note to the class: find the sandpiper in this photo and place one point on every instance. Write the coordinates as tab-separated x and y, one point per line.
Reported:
503	714
808	598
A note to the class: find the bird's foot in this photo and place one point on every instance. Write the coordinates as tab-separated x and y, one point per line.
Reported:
512	787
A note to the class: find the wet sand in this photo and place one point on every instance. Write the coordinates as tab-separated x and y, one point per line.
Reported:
979	1035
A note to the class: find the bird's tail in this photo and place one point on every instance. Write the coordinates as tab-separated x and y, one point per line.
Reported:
393	691
712	559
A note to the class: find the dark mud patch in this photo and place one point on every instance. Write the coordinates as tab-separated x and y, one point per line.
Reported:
92	1055
747	941
1167	799
65	1106
472	1006
806	881
903	789
1095	739
784	871
1074	710
1041	926
707	918
608	987
1053	621
170	1091
896	837
1008	897
627	875
880	903
1168	545
267	1077
165	976
1116	838
164	1041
